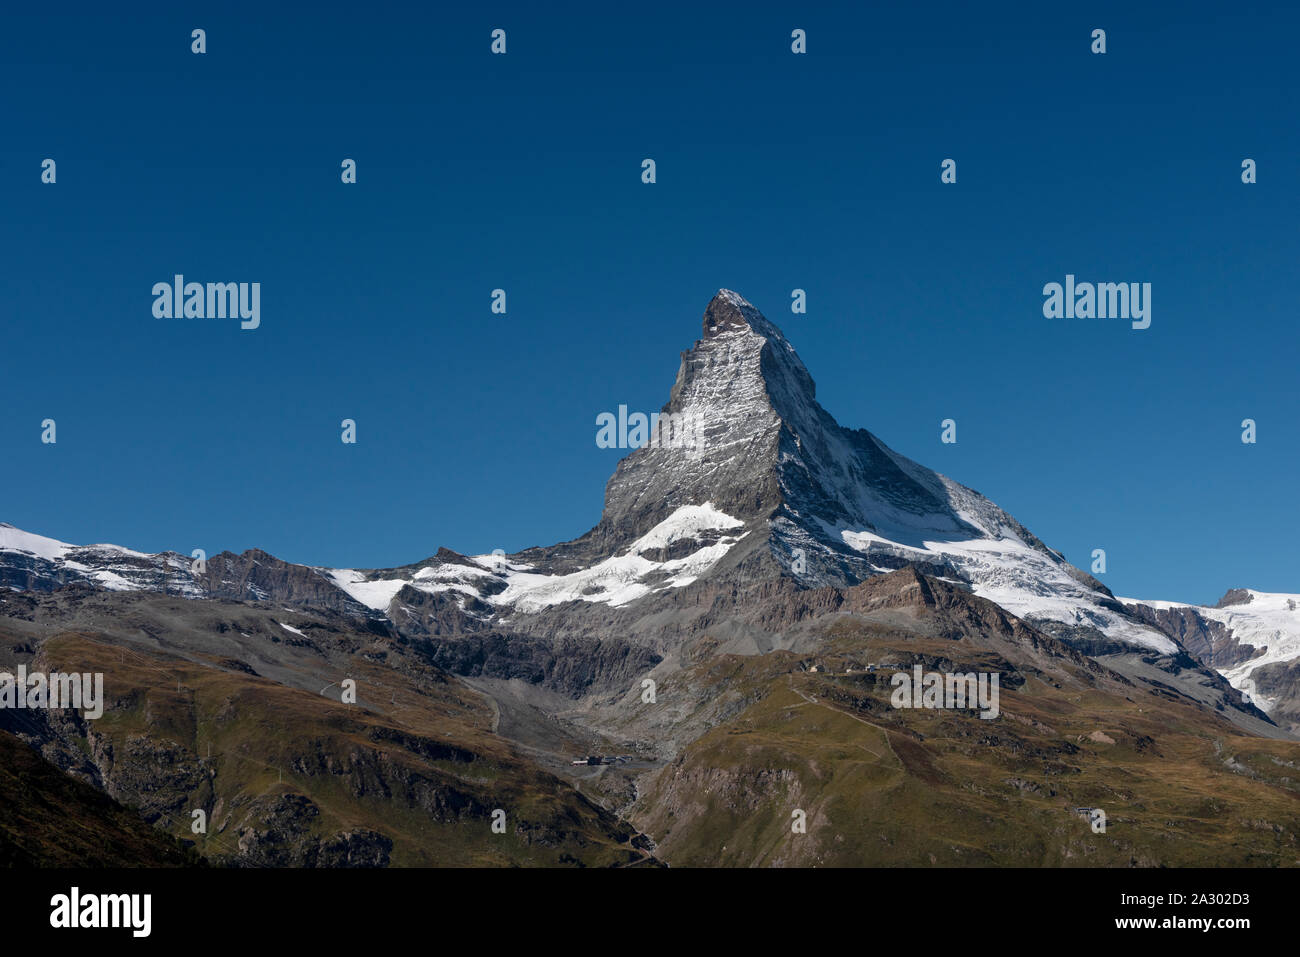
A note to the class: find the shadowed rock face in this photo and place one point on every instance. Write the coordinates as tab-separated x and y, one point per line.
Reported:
259	576
50	819
1210	641
571	666
1280	682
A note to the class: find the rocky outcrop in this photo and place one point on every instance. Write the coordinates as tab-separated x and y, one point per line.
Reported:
51	819
1209	640
569	665
255	575
1280	683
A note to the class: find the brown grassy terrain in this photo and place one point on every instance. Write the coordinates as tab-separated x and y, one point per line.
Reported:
291	777
886	786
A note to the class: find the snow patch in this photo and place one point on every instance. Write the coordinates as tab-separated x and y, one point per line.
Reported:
622	579
376	594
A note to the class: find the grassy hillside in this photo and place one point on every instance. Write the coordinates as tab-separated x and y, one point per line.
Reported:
885	786
49	819
293	777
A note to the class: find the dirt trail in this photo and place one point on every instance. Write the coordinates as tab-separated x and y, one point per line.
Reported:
812	699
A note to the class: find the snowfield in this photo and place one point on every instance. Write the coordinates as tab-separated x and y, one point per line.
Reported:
621	579
15	539
75	558
1270	621
377	594
1023	580
617	580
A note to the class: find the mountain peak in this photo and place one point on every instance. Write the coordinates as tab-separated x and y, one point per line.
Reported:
829	505
728	311
739	340
1235	596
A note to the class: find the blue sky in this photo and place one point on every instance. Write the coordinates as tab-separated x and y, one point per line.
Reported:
522	171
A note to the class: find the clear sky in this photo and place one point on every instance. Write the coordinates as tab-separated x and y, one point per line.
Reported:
523	172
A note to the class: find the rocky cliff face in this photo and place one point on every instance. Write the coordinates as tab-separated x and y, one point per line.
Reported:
1211	641
256	575
722	387
1278	684
50	819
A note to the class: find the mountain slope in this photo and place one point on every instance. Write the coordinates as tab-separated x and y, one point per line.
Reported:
755	739
1251	637
235	709
49	819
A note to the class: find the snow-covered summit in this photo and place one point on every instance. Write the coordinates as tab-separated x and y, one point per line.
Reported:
836	505
31	561
701	533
